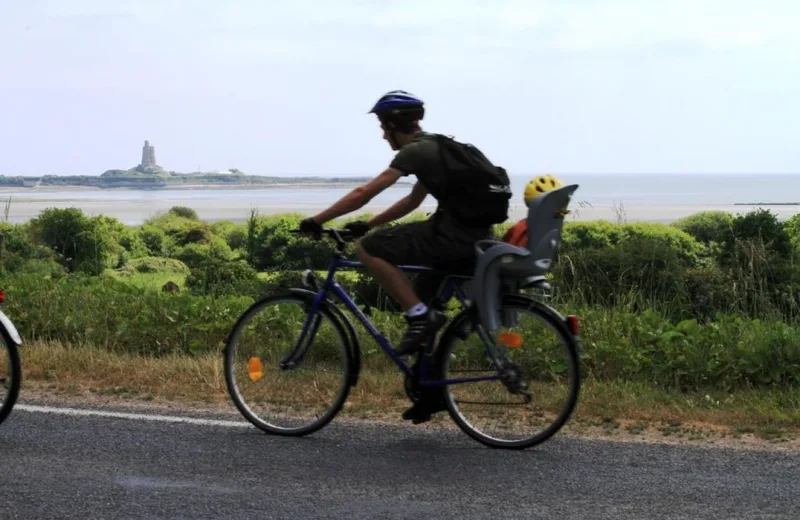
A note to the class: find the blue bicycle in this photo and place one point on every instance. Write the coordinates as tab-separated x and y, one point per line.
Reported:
508	372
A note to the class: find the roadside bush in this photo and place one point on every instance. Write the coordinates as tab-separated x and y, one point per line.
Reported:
702	272
272	245
234	234
729	353
153	264
196	254
705	226
589	235
199	234
184	212
102	311
792	227
133	243
88	245
155	240
758	232
216	277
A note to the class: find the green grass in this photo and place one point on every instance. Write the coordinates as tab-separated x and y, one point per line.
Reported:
149	280
608	409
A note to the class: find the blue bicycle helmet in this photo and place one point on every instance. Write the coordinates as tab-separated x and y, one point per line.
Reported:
399	108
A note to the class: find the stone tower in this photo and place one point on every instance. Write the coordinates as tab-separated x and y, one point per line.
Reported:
148	155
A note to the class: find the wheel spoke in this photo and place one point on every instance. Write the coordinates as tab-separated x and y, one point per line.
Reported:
538	378
303	378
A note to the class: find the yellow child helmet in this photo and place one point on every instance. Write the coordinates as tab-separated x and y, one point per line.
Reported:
540	185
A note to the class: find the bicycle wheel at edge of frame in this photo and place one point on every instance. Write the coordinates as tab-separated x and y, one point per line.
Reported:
15	364
548	314
231	386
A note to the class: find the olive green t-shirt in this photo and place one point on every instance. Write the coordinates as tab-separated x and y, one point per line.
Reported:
421	158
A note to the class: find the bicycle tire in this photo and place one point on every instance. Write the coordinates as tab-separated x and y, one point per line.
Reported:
229	363
15	365
549	315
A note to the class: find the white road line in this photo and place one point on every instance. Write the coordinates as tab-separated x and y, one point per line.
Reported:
133	416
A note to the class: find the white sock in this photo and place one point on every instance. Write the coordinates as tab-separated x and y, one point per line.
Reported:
417	310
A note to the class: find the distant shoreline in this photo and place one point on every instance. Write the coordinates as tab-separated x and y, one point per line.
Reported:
767	204
184	187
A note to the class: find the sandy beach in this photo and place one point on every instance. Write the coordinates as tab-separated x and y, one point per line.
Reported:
135	206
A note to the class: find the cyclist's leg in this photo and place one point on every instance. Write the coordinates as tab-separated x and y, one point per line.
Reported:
420	244
381	252
426	285
409	244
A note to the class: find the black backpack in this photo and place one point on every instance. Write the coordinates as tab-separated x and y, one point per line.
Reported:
475	192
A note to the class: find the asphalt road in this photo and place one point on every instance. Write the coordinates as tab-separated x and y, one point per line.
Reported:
62	466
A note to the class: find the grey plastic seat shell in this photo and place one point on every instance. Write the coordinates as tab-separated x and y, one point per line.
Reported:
499	262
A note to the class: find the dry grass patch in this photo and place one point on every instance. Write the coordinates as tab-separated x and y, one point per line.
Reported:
613	410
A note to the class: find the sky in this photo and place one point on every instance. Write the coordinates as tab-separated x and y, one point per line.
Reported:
283	88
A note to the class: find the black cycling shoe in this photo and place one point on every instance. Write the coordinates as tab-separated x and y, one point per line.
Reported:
420	328
423	409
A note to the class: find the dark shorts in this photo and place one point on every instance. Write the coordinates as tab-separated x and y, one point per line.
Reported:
426	244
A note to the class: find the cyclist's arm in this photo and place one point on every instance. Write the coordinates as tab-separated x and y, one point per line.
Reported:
360	196
401	208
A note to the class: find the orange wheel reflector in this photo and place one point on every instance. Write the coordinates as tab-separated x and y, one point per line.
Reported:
510	339
255	368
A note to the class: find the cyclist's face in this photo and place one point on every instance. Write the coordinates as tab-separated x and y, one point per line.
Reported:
387	135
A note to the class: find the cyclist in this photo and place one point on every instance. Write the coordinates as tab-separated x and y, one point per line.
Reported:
472	195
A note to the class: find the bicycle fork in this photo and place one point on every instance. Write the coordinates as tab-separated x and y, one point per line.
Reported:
310	327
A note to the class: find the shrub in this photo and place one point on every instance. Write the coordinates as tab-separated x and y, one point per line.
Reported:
706	226
102	311
792	227
216	277
589	235
757	230
155	240
199	234
152	264
272	245
18	248
196	254
730	352
234	234
133	243
184	212
83	244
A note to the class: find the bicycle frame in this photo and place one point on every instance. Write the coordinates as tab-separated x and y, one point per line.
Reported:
449	288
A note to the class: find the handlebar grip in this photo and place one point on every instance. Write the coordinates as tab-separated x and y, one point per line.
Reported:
337	234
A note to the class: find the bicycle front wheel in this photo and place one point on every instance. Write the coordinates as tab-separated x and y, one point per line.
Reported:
288	373
536	361
10	376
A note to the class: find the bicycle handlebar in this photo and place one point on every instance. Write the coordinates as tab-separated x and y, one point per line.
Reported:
340	236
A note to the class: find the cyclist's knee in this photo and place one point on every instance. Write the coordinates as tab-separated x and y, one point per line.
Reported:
361	253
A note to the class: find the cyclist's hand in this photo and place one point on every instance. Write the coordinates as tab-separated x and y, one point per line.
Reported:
358	228
310	226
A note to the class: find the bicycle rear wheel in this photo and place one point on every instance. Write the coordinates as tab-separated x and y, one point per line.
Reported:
287	378
537	360
10	376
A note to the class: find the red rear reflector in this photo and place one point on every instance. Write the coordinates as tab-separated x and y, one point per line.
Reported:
573	324
2	295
